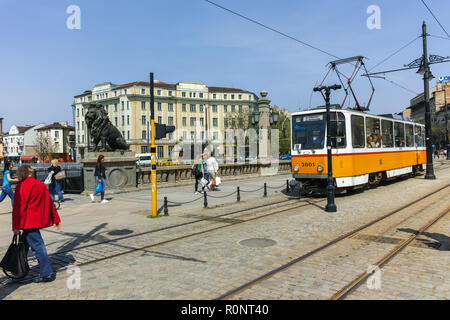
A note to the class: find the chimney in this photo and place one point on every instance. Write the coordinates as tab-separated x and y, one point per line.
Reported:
64	123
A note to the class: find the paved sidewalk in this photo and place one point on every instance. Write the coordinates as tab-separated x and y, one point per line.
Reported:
208	265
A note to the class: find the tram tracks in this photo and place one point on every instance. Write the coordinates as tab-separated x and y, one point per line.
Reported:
352	285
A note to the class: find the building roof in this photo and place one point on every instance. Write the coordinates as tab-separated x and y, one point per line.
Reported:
56	125
22	129
228	90
158	84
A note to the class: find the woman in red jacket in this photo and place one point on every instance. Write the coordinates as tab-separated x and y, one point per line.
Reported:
33	210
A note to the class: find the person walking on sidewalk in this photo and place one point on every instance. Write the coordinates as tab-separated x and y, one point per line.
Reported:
197	171
55	186
205	176
212	166
34	210
6	186
100	176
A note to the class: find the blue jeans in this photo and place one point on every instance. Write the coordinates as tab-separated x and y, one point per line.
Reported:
34	240
56	188
7	191
103	186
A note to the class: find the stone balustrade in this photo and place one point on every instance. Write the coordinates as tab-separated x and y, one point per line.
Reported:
182	173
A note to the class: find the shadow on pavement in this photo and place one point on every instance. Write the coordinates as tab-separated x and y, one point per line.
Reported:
441	241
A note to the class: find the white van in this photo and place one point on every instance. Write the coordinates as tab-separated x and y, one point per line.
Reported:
143	159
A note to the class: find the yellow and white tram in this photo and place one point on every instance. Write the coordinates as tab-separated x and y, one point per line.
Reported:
366	149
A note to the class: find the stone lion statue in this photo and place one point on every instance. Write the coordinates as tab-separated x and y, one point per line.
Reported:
102	130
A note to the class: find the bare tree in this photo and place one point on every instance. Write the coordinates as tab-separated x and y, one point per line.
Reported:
44	146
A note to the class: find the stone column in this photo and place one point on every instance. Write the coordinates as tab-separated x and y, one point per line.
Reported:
264	125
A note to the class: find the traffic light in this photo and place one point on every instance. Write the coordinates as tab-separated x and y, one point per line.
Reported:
161	130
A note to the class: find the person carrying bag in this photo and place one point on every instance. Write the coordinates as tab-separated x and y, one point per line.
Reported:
15	263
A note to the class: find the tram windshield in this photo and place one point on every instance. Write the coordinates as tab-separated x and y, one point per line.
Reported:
308	131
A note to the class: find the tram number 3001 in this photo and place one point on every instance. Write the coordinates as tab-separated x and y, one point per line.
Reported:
308	164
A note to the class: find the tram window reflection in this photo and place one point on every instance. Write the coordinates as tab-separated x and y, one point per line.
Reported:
358	137
399	134
373	132
409	132
419	136
337	128
387	131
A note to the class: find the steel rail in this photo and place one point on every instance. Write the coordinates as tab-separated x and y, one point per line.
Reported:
344	292
321	248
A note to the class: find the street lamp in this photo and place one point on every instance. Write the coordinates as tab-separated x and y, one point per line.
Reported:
331	206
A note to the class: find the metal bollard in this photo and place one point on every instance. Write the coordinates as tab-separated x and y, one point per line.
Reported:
166	209
299	191
287	186
238	194
265	189
205	200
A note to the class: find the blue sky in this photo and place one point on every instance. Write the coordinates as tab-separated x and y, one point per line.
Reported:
43	64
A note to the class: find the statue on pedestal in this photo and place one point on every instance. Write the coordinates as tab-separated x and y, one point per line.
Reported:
102	130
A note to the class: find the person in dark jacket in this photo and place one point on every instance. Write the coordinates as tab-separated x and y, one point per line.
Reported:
33	210
55	186
100	178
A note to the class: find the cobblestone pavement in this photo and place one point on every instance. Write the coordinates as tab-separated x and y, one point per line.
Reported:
210	264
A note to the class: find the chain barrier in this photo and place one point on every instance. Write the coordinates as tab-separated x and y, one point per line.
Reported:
238	191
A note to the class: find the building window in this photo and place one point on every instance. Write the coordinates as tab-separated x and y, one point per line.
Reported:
215	122
232	97
192	135
56	134
123	105
171	151
215	135
128	134
214	108
184	121
123	120
170	121
225	108
170	93
202	122
192	108
78	112
200	95
214	96
128	120
240	109
143	105
202	135
158	92
192	122
144	120
159	106
184	135
170	106
115	121
183	107
159	119
144	134
183	94
115	93
233	108
225	96
240	97
144	149
128	105
160	152
201	108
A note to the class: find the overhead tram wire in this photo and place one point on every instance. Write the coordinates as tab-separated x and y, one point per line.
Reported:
272	29
448	35
393	54
433	36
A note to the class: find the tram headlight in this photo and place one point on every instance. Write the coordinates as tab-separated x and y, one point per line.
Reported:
319	168
296	169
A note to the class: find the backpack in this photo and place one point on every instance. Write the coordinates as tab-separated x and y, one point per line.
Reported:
196	172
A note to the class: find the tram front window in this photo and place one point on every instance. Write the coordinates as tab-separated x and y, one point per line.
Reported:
309	131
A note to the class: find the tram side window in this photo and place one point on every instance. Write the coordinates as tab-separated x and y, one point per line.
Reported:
409	135
388	134
373	132
358	138
337	127
419	136
399	134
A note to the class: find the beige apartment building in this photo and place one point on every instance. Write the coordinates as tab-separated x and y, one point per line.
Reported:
198	112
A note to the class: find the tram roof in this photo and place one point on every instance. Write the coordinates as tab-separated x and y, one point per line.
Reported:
336	107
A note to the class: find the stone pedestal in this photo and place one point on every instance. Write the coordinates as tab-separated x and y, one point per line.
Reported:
120	167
